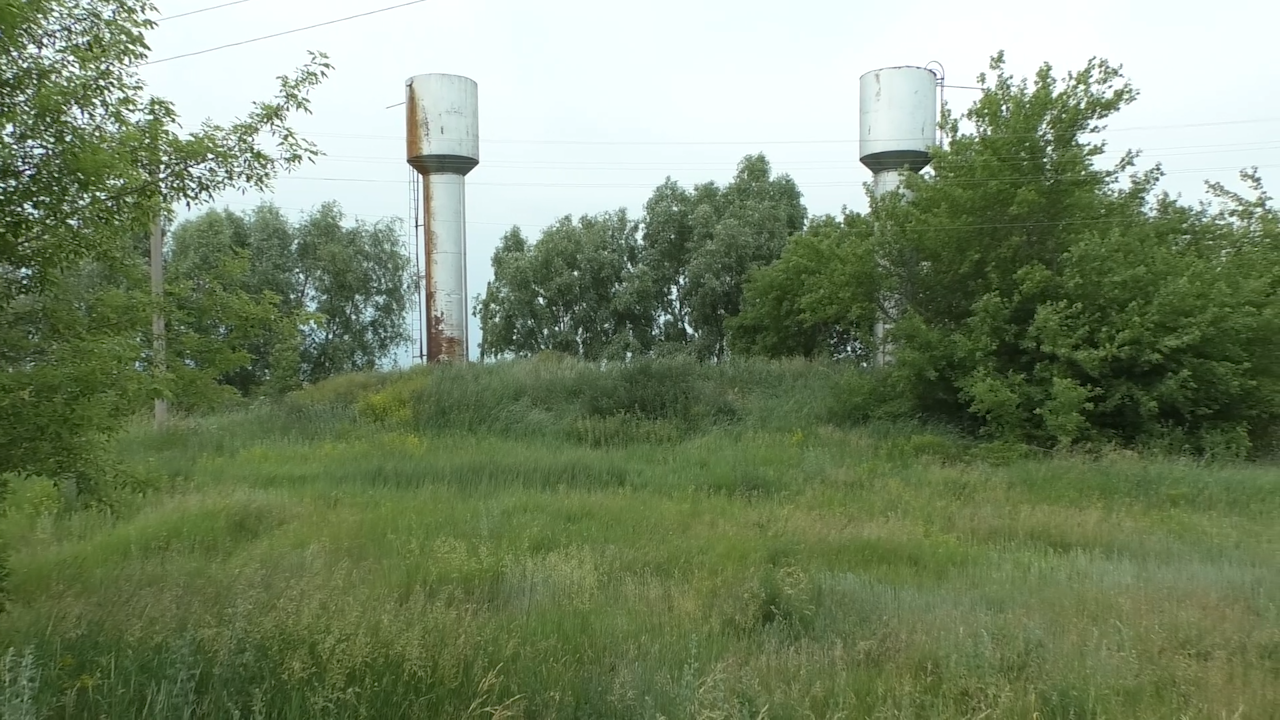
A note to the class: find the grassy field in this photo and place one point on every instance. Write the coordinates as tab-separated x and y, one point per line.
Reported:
547	540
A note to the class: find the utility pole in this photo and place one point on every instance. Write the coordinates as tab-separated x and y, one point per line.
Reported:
157	319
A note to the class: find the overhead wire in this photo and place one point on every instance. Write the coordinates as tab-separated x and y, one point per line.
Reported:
828	184
163	18
380	217
540	226
967	226
283	33
605	142
647	186
836	164
836	141
643	142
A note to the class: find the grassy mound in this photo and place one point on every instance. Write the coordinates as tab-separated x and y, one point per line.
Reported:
547	539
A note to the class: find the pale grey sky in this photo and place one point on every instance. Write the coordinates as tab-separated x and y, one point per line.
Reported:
693	85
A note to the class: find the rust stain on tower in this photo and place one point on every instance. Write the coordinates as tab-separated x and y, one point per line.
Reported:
447	347
439	341
413	127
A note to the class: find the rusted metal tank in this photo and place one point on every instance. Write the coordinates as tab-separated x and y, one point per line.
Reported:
443	145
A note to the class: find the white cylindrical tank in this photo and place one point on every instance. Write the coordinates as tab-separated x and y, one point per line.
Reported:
898	118
443	139
443	123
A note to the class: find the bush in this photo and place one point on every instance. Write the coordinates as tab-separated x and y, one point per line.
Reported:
659	390
1045	297
777	597
390	405
864	395
648	401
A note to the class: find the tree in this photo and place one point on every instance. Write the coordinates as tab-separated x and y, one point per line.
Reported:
667	238
605	288
578	290
225	338
817	300
359	281
1051	299
702	245
988	257
88	160
269	304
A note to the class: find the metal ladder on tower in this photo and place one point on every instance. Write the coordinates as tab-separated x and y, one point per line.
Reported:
418	345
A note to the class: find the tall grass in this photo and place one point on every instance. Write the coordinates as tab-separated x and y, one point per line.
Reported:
550	540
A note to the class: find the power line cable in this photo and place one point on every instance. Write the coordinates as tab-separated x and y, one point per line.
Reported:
840	141
823	185
839	184
280	34
378	217
830	184
967	226
197	12
808	165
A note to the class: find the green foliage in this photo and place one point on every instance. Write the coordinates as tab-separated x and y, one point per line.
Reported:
215	328
391	405
645	401
87	161
607	287
270	305
733	231
779	597
344	568
659	391
1088	312
816	300
1041	296
359	280
69	355
576	291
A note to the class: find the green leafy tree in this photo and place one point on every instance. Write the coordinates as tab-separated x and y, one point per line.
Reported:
817	300
605	288
224	340
702	245
87	160
1055	302
71	356
359	281
668	239
578	290
511	315
269	304
1048	297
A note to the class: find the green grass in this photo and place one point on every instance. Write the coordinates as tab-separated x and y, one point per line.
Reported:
547	540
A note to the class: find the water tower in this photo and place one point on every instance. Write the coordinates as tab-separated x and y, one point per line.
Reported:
897	123
897	127
443	134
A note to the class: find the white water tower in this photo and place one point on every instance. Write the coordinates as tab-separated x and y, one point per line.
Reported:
443	135
897	128
897	123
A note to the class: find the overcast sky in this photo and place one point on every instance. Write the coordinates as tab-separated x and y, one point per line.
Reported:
586	106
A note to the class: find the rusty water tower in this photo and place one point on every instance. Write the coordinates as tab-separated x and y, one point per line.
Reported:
443	136
897	129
